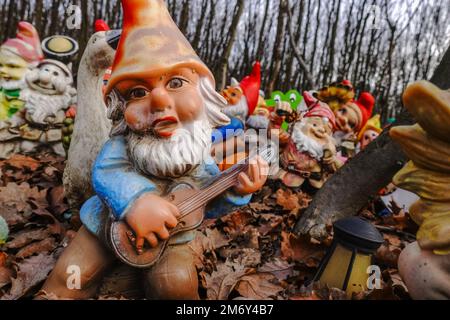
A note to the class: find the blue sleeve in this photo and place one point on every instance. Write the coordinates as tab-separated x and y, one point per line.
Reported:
114	179
235	128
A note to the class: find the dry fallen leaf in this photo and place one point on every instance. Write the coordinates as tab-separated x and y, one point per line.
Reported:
281	269
45	245
259	286
5	276
222	281
22	162
30	272
24	237
287	199
301	249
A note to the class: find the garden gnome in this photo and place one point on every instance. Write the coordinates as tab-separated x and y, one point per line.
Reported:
243	97
310	155
260	119
163	111
425	264
48	95
370	132
350	119
17	56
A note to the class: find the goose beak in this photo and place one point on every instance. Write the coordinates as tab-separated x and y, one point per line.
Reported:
113	38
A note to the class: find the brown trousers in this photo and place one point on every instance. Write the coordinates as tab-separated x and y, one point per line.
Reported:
174	277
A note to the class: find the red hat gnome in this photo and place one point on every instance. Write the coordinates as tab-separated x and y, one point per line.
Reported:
365	103
318	109
151	42
243	97
26	45
352	117
251	85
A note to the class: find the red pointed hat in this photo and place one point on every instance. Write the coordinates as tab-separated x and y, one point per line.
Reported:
251	85
101	25
27	44
365	103
317	108
151	44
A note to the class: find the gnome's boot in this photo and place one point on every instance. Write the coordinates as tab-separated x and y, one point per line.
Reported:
426	275
85	254
174	277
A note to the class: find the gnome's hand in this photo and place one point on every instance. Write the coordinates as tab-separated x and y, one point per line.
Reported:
151	217
254	179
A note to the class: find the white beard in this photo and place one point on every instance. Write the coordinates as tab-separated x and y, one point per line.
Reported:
239	110
40	106
258	122
306	144
189	147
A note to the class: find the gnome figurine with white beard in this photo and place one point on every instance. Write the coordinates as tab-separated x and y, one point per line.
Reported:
310	156
48	94
163	111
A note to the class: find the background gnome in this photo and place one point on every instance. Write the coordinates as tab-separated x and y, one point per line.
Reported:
350	120
17	57
310	155
48	94
370	132
163	111
243	97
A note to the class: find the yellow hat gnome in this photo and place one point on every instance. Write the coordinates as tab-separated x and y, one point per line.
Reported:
370	131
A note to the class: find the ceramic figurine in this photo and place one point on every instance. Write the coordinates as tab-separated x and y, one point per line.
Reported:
425	265
85	142
310	155
17	57
285	105
48	95
293	97
243	97
260	119
337	94
350	119
370	132
163	110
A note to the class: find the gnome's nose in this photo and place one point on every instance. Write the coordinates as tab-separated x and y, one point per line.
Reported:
44	77
160	100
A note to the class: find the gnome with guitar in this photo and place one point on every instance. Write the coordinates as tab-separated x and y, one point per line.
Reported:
155	180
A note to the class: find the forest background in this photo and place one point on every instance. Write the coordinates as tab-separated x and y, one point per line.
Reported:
380	45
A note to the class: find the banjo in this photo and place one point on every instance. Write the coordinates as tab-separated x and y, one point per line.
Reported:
191	203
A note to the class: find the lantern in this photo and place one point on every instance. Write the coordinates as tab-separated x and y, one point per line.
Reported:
346	264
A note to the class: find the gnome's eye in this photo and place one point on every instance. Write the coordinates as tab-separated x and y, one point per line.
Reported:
176	83
137	93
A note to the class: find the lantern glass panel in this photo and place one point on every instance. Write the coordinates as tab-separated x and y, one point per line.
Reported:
336	269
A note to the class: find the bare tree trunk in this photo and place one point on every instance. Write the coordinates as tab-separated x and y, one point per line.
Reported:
277	55
226	55
297	52
349	190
